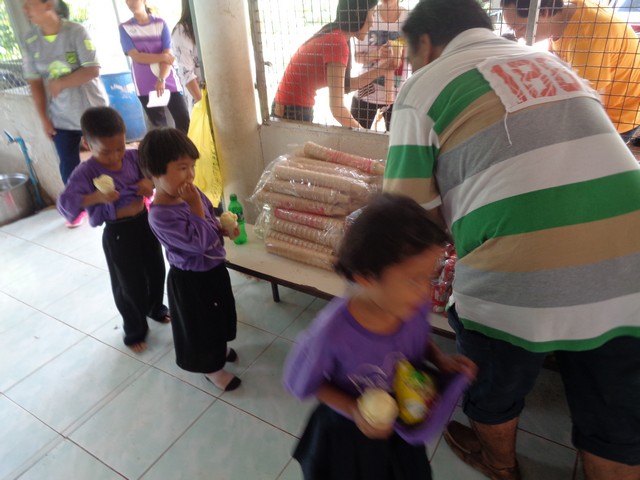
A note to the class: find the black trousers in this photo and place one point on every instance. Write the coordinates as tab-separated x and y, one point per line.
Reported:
365	113
177	107
136	268
203	317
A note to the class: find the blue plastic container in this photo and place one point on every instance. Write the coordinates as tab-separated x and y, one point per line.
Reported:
122	97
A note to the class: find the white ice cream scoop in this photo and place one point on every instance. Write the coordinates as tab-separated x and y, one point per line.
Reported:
104	183
378	407
229	221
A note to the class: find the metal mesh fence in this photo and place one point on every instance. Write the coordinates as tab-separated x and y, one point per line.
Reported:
289	60
596	38
11	80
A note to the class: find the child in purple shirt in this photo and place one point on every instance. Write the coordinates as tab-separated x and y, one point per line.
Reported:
146	39
390	254
134	256
201	301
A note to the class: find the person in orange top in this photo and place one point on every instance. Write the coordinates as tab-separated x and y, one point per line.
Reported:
599	46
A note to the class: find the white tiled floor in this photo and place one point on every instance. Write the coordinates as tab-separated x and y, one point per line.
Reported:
76	404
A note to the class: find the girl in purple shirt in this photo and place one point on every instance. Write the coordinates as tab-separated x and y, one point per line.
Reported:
203	312
134	256
390	254
146	39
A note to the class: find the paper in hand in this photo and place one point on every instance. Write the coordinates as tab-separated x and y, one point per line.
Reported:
155	101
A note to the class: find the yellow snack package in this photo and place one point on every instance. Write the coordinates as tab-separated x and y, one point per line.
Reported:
415	393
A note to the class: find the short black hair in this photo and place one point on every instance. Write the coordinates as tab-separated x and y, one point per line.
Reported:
390	229
100	122
443	20
522	6
161	146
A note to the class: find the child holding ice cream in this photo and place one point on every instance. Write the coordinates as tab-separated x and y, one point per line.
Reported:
390	254
203	308
110	187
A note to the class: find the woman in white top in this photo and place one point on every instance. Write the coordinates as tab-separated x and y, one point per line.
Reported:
381	93
183	39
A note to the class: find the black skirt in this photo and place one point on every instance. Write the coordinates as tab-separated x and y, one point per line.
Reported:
203	317
333	448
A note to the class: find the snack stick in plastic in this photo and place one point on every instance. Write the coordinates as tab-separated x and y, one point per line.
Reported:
330	239
315	221
299	253
312	192
331	168
353	187
367	165
302	204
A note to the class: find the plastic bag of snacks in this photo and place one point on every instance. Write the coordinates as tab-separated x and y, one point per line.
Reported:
444	285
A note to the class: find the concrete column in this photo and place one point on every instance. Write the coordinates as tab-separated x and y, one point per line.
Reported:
223	36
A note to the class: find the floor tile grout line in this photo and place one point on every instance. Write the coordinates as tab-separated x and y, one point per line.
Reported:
215	399
31	241
236	407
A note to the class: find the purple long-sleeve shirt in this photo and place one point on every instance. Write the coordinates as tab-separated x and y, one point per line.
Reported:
338	350
192	243
80	184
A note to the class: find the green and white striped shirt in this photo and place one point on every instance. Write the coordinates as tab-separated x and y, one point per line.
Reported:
543	202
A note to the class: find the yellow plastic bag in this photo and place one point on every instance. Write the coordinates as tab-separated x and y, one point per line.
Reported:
208	176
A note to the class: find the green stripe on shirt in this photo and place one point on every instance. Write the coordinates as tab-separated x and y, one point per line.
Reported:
457	96
410	161
549	208
542	347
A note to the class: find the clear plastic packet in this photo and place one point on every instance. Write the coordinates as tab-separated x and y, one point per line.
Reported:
297	224
299	250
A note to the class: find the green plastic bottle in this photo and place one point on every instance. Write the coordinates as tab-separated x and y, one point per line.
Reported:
236	207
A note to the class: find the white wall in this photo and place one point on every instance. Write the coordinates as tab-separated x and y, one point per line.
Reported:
244	146
18	117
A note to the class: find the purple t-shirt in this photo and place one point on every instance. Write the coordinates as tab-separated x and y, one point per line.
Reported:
80	183
338	350
192	243
153	37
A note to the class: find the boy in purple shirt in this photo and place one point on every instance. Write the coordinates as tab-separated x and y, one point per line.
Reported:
133	254
390	254
202	306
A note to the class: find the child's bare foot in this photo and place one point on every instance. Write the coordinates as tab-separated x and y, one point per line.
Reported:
223	380
138	347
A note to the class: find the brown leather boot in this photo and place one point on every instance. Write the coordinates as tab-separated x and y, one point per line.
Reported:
490	449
